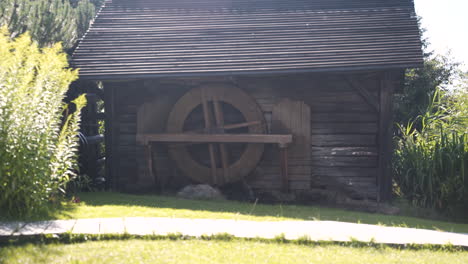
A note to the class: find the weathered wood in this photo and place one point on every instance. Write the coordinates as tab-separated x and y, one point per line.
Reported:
385	137
216	138
336	161
344	128
345	172
241	125
89	152
368	97
149	160
220	123
207	116
128	128
243	104
293	117
339	106
110	171
344	117
344	140
126	118
344	151
284	168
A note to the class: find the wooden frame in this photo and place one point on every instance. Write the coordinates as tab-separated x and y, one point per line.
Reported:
282	140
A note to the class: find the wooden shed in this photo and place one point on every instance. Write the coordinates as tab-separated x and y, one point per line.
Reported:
282	95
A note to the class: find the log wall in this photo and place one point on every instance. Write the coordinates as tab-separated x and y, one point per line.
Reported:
345	130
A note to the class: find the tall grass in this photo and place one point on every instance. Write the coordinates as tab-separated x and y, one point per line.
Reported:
431	164
37	143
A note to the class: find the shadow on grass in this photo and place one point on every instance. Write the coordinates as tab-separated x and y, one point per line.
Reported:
53	211
153	205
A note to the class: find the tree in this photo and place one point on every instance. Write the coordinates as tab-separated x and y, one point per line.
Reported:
439	71
420	86
48	21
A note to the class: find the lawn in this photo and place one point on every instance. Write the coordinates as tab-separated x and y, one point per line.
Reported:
203	251
108	204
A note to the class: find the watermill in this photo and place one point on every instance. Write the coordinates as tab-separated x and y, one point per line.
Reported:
216	134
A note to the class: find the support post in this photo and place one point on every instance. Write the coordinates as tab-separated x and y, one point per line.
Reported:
284	167
111	182
384	180
149	160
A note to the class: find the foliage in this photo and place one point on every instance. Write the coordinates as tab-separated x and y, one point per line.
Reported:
48	21
37	131
431	163
420	86
439	71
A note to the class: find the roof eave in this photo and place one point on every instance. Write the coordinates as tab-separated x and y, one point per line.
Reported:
140	76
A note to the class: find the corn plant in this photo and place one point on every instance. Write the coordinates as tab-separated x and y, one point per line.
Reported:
430	164
37	141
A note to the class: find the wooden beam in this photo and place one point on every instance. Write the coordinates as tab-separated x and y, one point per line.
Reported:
109	97
366	95
215	138
384	180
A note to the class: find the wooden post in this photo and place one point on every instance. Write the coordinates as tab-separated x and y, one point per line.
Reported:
284	167
384	180
90	128
149	160
111	182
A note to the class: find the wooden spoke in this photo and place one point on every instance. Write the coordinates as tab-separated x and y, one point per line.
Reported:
220	123
213	163
218	112
241	125
228	127
184	145
208	124
206	110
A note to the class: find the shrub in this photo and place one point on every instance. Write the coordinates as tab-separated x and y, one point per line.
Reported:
431	164
37	137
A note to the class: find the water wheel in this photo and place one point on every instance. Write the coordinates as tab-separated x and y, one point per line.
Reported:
216	109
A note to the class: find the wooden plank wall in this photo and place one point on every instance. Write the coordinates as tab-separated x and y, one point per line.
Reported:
293	117
344	129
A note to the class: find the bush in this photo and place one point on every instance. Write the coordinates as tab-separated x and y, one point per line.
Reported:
431	164
37	138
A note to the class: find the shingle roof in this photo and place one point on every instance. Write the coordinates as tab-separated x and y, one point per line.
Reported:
151	38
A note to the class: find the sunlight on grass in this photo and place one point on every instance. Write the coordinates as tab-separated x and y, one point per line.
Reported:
107	204
202	251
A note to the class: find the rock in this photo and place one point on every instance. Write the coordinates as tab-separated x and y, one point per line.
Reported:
200	192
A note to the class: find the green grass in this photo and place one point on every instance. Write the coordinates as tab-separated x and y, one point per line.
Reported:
107	204
203	251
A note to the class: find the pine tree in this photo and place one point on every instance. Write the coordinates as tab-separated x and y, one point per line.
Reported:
48	21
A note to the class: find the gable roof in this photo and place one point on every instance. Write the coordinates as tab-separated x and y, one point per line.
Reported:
155	38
